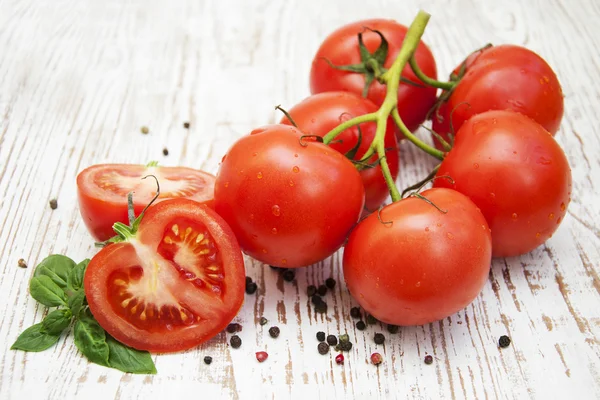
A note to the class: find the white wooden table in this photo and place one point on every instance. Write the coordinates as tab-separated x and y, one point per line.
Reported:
78	78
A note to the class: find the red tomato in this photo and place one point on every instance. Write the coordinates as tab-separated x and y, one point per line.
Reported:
341	48
516	173
320	113
503	77
174	285
102	190
291	202
414	264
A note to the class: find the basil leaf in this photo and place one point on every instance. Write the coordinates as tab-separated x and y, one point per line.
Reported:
57	321
45	291
57	267
34	339
75	277
127	359
76	301
90	339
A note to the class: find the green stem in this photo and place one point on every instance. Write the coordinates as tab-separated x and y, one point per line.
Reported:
123	230
348	124
415	140
387	175
427	80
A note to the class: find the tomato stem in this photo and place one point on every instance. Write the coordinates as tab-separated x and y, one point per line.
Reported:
427	80
415	140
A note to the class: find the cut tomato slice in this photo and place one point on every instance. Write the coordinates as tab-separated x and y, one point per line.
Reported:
174	285
103	189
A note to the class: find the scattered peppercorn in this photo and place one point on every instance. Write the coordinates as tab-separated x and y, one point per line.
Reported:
344	338
321	308
316	299
263	321
323	348
339	359
289	275
251	287
376	358
371	320
248	280
311	290
428	359
165	151
355	312
261	356
207	360
330	283
332	340
144	130
322	290
21	263
234	327
186	125
360	325
393	328
53	204
504	341
345	346
274	331
379	338
321	336
235	341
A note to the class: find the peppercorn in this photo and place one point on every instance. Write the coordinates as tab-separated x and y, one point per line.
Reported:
321	308
344	338
311	290
428	359
144	130
371	320
21	263
53	204
360	325
248	280
235	341
316	299
165	151
274	331
323	348
207	360
376	358
332	340
263	321
251	287
261	356
393	328
504	341
186	125
234	327
330	283
322	290
345	346
379	338
355	312
339	359
321	336
289	275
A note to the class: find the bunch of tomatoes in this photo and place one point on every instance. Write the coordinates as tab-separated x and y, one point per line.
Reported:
292	194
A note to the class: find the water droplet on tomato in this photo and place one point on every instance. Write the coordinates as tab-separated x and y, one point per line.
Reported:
274	231
551	216
494	121
450	235
426	229
493	195
296	169
312	120
476	166
537	235
291	183
515	216
544	161
558	220
254	154
562	206
438	224
254	236
295	155
276	210
226	184
417	284
283	261
264	251
514	152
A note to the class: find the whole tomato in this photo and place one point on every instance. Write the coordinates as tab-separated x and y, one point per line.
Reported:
414	263
290	201
503	77
320	113
342	48
516	173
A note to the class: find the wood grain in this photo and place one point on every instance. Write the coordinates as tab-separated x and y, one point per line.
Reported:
79	78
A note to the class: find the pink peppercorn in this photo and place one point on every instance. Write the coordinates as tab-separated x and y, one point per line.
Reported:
376	358
261	356
339	359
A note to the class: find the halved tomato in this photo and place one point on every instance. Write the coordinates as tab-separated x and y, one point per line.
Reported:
103	188
175	283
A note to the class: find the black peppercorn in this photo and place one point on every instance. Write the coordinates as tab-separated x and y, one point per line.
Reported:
234	327
311	290
321	308
235	341
322	290
186	125
428	359
332	340
504	341
371	320
360	325
207	360
274	331
321	336
263	321
165	151
393	328
316	299
330	283
355	312
53	204
248	280
21	263
345	346
379	338
251	287
323	348
289	275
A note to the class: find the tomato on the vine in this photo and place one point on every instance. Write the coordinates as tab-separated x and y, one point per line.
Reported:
290	200
416	262
102	191
341	48
320	113
174	284
516	173
505	77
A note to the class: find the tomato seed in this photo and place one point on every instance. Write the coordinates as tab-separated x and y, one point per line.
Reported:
339	359
274	331
235	341
323	348
376	358
504	341
21	263
355	312
207	360
379	338
53	204
428	359
330	283
261	356
321	336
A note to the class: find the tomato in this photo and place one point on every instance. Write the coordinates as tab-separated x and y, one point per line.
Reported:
290	201
177	283
414	264
320	113
102	191
341	48
503	77
516	173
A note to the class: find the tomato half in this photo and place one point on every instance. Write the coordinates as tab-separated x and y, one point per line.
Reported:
516	173
414	264
176	284
503	77
320	113
290	201
341	48
102	191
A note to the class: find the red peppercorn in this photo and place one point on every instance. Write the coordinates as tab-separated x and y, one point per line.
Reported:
376	358
339	359
261	356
